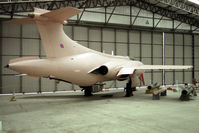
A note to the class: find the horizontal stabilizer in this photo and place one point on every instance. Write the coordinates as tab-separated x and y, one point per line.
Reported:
58	16
40	11
62	14
21	21
162	67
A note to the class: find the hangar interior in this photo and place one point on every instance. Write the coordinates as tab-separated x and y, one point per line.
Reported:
128	28
152	31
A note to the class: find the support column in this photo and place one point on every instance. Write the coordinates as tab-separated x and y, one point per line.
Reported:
163	57
193	58
152	56
174	58
101	30
130	16
183	58
128	43
73	87
140	46
173	51
21	49
1	45
39	57
115	52
88	37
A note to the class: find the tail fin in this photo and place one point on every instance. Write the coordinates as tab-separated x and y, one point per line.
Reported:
56	43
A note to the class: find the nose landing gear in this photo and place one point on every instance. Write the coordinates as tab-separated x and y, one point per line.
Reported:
87	90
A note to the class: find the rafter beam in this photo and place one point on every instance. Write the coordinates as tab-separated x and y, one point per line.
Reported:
136	16
178	26
111	14
6	8
158	22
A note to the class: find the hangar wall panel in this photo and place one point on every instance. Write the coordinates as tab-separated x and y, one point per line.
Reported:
169	77
109	84
10	84
108	48
121	36
10	30
134	51
47	85
146	37
11	46
30	84
30	31
188	77
134	36
120	84
30	47
95	46
121	49
147	78
178	77
62	86
68	30
178	39
108	35
196	56
80	33
95	34
157	77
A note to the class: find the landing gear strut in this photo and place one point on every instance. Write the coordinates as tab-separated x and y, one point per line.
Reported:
129	90
87	90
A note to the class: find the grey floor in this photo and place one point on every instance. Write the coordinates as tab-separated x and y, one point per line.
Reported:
74	113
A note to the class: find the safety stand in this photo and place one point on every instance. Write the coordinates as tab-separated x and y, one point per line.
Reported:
164	93
156	96
13	98
185	97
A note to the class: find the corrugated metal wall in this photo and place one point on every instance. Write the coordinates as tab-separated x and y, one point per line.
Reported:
24	40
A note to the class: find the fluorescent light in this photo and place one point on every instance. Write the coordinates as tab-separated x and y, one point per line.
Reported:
194	1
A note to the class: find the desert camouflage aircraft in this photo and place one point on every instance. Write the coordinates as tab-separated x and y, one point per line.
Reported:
68	61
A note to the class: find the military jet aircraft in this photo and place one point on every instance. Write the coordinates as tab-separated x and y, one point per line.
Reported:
68	61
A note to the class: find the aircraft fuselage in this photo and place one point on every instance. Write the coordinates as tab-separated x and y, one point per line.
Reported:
71	67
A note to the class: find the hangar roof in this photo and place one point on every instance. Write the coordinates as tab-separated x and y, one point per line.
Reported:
180	10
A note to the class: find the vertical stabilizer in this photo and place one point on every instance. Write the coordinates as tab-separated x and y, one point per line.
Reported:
50	24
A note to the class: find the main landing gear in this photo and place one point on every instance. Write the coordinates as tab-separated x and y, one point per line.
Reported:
87	90
129	89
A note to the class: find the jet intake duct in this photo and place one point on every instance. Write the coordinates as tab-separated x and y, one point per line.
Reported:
103	70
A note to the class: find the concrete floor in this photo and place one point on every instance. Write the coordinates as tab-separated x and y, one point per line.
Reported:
74	113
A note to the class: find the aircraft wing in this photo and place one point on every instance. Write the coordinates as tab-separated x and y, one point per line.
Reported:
162	67
125	71
130	70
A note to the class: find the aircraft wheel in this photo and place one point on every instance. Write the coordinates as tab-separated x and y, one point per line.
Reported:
88	91
129	92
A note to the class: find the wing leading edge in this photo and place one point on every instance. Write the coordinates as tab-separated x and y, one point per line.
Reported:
130	70
162	67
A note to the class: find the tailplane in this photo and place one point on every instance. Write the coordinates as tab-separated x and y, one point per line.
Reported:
50	24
